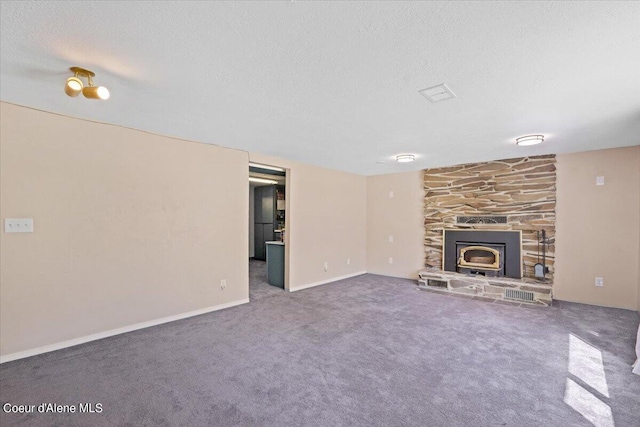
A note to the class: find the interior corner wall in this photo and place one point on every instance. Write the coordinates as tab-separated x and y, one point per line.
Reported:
395	211
326	222
598	227
129	227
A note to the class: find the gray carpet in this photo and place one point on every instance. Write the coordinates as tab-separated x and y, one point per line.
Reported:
367	351
258	285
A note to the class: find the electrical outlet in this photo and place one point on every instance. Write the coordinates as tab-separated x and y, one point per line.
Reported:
391	194
223	283
599	282
348	261
390	260
326	266
18	225
599	180
390	238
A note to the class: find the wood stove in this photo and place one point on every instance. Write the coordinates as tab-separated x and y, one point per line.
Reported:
486	253
480	258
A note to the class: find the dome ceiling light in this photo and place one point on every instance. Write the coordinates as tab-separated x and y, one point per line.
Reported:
405	158
529	140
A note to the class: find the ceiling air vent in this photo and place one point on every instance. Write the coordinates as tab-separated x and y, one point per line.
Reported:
437	93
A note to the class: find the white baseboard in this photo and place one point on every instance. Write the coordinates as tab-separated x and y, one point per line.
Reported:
112	332
323	282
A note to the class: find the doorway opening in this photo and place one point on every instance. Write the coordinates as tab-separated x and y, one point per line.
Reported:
267	230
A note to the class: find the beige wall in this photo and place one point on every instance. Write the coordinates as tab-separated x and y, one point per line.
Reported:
598	227
401	216
326	222
129	227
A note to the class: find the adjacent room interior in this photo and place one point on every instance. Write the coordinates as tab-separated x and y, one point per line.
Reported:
267	232
320	213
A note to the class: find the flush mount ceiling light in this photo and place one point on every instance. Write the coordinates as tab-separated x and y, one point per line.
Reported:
260	166
262	180
405	158
529	140
74	85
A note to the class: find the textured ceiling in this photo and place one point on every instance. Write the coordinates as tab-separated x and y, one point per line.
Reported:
336	84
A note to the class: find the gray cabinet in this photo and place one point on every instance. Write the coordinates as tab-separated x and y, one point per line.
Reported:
264	219
275	264
268	202
262	233
264	204
258	241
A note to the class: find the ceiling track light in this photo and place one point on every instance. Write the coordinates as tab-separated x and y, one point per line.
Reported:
529	140
405	158
74	85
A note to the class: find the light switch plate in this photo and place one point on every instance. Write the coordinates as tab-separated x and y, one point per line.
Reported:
599	180
18	225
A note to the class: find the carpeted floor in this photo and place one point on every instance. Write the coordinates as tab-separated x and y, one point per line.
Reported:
367	351
258	285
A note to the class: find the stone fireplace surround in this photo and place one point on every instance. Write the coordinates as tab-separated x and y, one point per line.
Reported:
512	194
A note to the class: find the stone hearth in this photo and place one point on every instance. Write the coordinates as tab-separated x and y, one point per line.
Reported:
486	288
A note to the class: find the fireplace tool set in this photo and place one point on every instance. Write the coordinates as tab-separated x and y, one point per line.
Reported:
540	269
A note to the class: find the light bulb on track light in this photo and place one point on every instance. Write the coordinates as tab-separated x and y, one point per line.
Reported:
73	87
96	92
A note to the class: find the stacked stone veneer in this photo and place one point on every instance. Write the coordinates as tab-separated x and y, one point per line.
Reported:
490	289
522	189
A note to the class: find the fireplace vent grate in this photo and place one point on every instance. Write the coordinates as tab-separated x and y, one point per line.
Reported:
481	219
518	295
438	283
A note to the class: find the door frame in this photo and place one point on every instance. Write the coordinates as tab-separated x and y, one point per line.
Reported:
287	219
